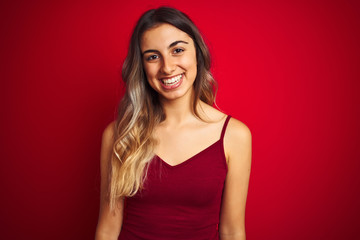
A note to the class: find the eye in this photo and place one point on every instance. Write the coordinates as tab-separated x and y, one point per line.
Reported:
152	57
178	50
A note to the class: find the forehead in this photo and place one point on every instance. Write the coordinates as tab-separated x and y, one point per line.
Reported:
162	36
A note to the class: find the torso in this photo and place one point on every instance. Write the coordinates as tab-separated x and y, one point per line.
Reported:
181	195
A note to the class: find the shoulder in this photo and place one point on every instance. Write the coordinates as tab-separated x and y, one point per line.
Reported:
108	135
109	129
107	144
237	139
237	130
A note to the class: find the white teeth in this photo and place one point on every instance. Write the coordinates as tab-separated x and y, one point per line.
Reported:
172	81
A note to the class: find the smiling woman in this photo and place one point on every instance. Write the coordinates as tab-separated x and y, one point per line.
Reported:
172	166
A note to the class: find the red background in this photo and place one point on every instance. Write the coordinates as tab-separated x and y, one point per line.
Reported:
287	69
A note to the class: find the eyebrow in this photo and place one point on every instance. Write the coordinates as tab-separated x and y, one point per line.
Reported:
170	46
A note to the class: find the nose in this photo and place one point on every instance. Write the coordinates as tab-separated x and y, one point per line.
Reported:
168	66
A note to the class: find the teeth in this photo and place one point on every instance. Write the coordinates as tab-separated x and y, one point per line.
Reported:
172	81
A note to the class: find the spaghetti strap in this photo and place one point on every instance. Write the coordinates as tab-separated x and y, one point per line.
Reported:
224	127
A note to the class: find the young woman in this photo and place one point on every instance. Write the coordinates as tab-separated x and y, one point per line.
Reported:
172	166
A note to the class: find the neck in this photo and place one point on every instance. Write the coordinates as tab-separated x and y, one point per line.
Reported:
178	111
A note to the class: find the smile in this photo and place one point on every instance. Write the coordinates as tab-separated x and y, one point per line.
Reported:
172	81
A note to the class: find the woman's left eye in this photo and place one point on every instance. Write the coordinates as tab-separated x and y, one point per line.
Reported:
178	50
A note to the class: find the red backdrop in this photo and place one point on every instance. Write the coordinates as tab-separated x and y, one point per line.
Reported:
287	69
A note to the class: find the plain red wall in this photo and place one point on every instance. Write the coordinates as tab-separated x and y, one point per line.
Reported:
287	69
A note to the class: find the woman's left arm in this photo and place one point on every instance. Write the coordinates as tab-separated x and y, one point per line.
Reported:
237	145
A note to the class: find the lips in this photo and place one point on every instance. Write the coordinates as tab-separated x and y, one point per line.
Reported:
172	82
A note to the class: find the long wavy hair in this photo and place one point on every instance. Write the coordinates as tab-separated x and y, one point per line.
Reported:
140	110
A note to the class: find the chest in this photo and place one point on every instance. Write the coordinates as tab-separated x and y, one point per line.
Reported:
198	181
177	145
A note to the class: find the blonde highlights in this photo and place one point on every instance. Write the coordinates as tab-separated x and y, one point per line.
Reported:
140	111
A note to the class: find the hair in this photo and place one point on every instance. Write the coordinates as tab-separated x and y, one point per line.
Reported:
140	110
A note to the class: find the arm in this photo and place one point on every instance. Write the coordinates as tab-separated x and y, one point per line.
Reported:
237	144
109	223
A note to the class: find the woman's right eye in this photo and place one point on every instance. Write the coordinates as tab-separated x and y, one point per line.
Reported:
152	57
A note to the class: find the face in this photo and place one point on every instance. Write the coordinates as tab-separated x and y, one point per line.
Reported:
169	59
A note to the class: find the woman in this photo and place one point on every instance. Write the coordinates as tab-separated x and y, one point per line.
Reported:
172	166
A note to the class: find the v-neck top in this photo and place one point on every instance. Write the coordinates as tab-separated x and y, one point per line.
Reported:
181	201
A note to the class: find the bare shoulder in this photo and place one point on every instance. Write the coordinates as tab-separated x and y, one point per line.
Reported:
107	142
237	140
109	134
238	131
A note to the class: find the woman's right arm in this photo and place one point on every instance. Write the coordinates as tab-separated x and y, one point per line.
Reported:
109	223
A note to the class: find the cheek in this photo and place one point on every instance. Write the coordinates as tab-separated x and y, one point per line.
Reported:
150	71
193	61
188	62
191	66
150	74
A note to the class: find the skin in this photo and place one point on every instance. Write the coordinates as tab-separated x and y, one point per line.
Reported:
109	223
167	52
